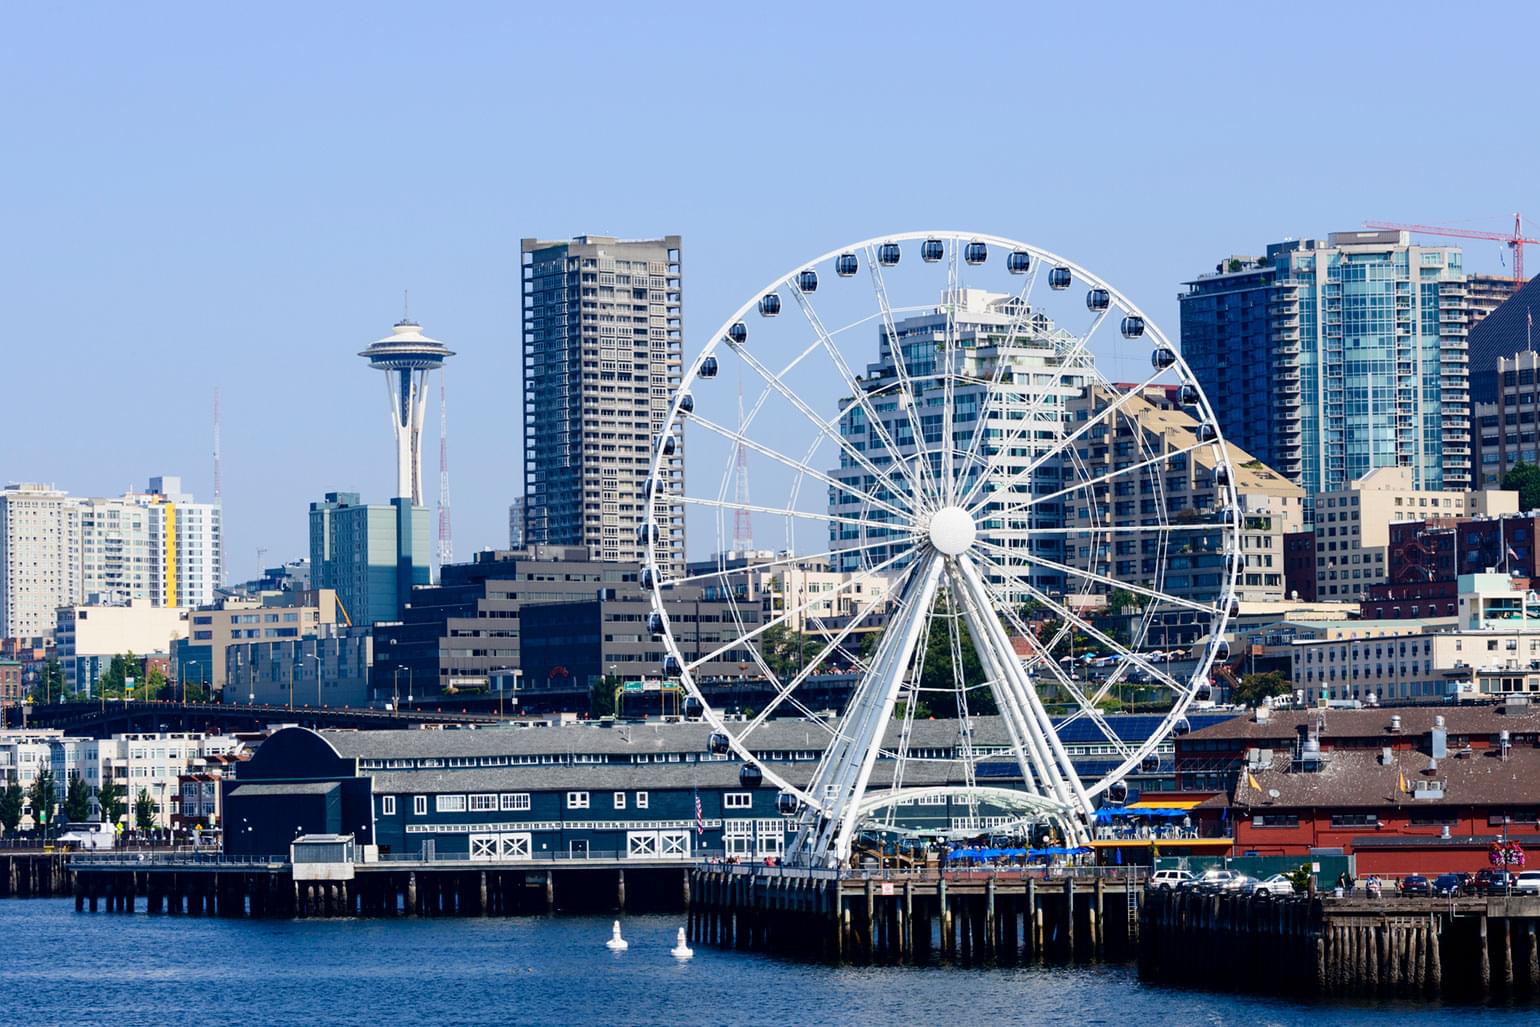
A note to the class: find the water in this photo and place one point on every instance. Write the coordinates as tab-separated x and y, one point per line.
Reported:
64	967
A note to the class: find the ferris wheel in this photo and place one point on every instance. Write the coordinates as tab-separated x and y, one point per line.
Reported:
963	450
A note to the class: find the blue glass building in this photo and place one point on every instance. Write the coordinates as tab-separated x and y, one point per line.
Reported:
1328	360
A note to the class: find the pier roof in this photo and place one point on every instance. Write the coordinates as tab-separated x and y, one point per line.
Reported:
1361	778
1372	722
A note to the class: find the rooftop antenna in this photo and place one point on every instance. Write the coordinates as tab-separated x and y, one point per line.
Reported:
406	306
217	485
446	545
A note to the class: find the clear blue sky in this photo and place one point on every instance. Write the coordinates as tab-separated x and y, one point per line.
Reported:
202	195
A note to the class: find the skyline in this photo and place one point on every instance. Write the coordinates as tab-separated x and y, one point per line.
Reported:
259	251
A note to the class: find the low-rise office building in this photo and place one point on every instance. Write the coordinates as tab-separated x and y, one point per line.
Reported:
88	637
328	667
273	617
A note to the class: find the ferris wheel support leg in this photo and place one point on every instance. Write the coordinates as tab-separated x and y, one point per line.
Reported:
1040	724
840	780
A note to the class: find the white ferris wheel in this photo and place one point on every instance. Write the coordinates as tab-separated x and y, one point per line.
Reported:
960	446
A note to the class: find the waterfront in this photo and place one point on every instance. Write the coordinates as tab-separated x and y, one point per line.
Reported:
144	969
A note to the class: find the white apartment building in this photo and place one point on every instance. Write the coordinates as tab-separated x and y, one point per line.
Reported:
1352	525
1033	382
816	600
150	762
39	558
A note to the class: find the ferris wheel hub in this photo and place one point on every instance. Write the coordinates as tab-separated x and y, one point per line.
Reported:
952	530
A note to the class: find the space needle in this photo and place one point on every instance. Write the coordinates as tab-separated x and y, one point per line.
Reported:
406	356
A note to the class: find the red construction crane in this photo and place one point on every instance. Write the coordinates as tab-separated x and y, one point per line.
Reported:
1515	240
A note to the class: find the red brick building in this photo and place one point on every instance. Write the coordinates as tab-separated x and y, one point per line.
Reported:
1299	575
10	683
1395	788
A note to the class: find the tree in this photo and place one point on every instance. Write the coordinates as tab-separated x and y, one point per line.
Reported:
601	697
40	797
12	799
940	678
77	799
1253	688
1525	480
115	678
154	684
112	798
51	681
144	811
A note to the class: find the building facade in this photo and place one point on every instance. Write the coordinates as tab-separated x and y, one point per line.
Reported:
39	558
603	333
327	667
273	618
1327	360
1352	525
990	329
88	637
1181	488
1505	331
371	555
1504	429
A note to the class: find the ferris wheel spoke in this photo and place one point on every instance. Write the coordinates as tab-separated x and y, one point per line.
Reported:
907	396
857	391
796	681
1064	568
801	466
830	430
898	530
789	613
786	560
1073	619
1029	418
1058	447
1002	361
1087	704
1104	478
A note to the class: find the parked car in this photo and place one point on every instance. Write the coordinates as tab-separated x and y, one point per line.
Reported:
1527	883
1212	882
1168	880
1451	884
1415	884
1278	884
1492	882
1241	884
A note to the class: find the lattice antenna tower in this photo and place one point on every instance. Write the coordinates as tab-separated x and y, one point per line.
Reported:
218	486
446	543
743	521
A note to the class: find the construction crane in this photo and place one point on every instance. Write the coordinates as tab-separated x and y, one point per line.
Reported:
1514	240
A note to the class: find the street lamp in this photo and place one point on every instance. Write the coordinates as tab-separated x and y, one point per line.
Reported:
318	666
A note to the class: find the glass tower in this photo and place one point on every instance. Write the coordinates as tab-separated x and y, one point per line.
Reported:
1328	360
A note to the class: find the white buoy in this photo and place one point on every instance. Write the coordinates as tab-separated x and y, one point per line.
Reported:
681	950
616	942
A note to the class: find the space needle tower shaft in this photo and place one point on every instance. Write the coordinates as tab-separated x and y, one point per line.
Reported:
406	356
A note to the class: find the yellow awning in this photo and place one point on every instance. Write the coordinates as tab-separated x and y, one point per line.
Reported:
1163	843
1152	803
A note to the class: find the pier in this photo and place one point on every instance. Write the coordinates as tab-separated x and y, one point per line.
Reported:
262	886
1463	948
968	917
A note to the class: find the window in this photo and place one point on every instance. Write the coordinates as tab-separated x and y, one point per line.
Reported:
483	803
737	800
620	800
388	805
1276	820
641	800
420	805
1354	820
515	801
449	803
577	800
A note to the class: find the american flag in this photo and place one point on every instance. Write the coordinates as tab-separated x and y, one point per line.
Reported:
700	817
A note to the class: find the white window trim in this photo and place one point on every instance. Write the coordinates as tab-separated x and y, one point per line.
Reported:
449	803
577	800
620	800
641	800
420	805
737	800
387	805
514	802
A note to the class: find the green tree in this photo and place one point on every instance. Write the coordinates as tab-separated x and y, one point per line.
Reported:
939	677
40	797
113	799
144	811
51	681
154	684
115	678
77	799
1253	688
12	799
1525	480
601	697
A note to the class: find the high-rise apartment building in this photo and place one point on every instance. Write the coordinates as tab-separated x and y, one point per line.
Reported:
39	558
1033	385
372	555
1507	330
159	545
603	345
1327	360
516	524
1484	294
